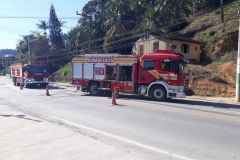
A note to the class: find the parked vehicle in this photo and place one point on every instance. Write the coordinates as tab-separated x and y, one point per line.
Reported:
30	74
157	75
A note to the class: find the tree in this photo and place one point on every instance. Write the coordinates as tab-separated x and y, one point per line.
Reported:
43	25
55	31
61	23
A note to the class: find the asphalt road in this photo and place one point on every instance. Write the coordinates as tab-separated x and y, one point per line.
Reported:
183	129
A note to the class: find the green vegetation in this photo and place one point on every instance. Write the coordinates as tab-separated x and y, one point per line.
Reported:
211	39
234	24
217	11
66	70
5	70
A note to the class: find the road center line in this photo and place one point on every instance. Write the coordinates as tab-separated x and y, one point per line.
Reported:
125	140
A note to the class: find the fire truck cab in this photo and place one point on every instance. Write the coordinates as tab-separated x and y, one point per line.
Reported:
157	75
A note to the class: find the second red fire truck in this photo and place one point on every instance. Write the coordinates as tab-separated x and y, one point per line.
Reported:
157	75
30	74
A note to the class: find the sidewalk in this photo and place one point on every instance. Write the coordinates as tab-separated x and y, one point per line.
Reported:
24	137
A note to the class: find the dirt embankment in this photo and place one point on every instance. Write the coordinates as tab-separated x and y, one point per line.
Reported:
216	79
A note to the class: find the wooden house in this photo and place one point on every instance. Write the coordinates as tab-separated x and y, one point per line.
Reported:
149	43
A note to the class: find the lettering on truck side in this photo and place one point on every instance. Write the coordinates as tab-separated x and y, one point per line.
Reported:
100	60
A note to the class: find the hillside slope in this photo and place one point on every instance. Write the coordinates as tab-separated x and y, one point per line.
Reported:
216	79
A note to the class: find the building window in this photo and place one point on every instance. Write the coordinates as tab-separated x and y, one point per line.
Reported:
141	50
195	48
148	65
185	48
155	46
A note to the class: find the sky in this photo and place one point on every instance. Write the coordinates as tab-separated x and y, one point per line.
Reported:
13	24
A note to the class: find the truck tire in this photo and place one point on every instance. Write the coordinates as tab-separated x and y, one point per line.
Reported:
93	89
14	81
159	93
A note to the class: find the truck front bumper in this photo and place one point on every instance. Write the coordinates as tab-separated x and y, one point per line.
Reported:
33	81
180	95
176	92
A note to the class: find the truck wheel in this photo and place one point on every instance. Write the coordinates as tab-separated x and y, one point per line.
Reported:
14	81
158	93
93	89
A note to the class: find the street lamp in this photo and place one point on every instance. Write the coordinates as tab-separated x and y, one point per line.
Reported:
90	23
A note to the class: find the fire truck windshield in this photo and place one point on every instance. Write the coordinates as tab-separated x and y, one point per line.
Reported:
169	65
33	69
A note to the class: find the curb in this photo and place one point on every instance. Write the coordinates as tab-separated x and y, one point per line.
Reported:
62	84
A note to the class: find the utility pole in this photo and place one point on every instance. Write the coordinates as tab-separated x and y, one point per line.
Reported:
90	29
28	50
238	67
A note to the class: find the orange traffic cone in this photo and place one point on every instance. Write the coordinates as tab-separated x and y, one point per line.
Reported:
113	100
47	92
21	86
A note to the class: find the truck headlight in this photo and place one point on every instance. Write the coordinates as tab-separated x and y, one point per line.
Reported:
180	90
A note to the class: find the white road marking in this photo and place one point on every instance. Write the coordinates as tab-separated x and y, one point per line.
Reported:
12	100
126	140
3	97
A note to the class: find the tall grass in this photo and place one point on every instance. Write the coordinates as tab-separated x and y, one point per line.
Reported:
66	70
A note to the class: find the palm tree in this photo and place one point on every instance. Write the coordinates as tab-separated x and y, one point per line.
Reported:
43	25
171	12
62	23
116	10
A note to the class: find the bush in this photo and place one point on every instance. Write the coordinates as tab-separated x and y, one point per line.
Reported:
66	70
217	11
218	79
225	57
211	33
234	24
208	38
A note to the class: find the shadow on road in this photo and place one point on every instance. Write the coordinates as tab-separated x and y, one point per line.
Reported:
206	103
44	88
20	116
177	101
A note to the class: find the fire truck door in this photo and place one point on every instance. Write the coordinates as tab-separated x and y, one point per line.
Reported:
125	82
147	72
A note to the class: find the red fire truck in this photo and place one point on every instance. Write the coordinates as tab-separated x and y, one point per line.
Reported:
157	75
30	74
